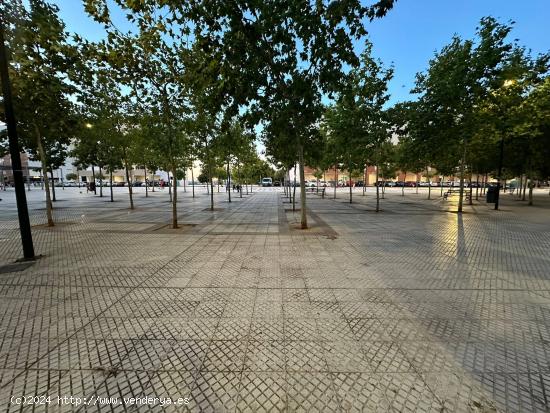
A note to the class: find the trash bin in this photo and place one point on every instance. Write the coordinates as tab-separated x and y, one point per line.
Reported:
491	194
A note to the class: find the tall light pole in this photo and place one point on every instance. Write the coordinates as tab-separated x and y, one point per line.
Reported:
20	196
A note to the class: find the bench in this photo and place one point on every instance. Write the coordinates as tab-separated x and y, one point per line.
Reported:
320	190
456	191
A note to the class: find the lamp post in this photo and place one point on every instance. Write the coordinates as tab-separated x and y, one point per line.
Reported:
20	196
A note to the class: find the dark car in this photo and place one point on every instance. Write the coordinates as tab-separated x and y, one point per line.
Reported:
410	184
400	184
137	183
277	183
359	183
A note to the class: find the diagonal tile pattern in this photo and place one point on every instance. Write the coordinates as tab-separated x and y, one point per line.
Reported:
241	312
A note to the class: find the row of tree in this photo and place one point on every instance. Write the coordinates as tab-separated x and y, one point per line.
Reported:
194	81
483	109
189	81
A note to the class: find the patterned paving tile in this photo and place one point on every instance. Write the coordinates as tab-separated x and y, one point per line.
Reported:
243	313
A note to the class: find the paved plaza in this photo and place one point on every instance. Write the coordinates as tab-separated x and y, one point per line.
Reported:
415	308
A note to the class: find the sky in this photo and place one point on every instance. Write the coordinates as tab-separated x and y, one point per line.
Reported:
409	35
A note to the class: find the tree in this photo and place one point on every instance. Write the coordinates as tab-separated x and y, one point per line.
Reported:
355	123
460	78
42	59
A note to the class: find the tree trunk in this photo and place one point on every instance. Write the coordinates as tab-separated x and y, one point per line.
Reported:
146	182
471	201
42	155
377	191
174	199
525	187
192	181
294	191
100	183
53	186
129	183
350	188
335	180
211	194
229	181
111	184
429	184
239	175
169	185
185	181
441	184
211	183
303	221
153	189
461	189
530	191
93	179
365	180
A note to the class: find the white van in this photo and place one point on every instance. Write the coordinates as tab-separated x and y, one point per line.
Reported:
267	182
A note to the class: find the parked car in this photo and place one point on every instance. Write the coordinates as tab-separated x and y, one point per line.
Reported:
119	183
359	184
423	184
410	184
277	183
311	184
323	184
400	184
